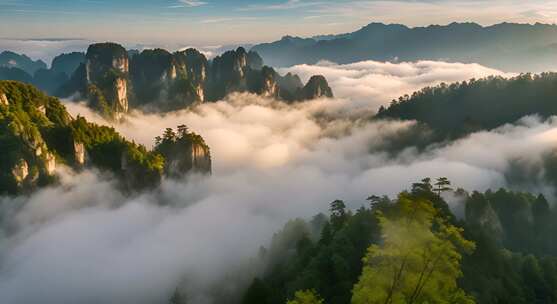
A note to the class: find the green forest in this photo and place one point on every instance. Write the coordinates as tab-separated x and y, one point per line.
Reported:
37	134
413	249
458	109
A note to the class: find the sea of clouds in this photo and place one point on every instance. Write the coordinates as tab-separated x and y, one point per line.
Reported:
85	242
371	84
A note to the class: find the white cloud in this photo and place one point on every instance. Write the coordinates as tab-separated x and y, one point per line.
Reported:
228	20
189	3
371	84
290	4
85	242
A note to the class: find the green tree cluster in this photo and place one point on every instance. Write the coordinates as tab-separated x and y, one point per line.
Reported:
413	249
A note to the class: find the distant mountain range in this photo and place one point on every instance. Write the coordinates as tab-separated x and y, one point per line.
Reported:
19	67
505	46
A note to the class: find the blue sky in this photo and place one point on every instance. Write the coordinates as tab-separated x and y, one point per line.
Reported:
216	22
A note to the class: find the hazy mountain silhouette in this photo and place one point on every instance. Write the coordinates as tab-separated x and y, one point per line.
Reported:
506	46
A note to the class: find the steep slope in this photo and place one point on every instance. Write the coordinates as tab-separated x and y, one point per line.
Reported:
67	63
507	46
37	134
157	80
166	81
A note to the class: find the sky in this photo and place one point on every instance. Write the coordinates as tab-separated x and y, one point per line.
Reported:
221	22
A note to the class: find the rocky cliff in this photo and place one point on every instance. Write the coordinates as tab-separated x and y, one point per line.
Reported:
26	159
38	134
164	81
184	152
316	87
107	69
238	71
157	80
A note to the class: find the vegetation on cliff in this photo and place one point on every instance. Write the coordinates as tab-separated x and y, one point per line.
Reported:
37	134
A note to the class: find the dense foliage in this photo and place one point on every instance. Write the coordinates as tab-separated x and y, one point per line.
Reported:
184	151
461	108
36	130
412	249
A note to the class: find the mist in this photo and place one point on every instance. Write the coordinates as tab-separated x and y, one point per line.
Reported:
371	84
85	242
44	49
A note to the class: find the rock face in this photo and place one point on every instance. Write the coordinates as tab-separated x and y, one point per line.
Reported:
20	171
317	87
184	153
42	109
107	69
79	153
49	163
266	83
228	74
26	159
4	99
194	67
38	133
188	158
165	81
152	73
157	80
120	104
200	158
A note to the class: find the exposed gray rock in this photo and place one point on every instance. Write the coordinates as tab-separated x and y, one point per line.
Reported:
42	109
20	171
50	163
79	153
121	105
4	99
317	87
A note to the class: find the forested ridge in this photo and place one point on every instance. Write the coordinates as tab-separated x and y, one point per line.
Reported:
458	109
37	134
414	249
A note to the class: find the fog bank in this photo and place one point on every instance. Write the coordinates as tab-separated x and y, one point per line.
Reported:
84	242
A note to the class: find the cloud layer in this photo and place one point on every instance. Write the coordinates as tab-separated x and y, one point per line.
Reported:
84	242
373	83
